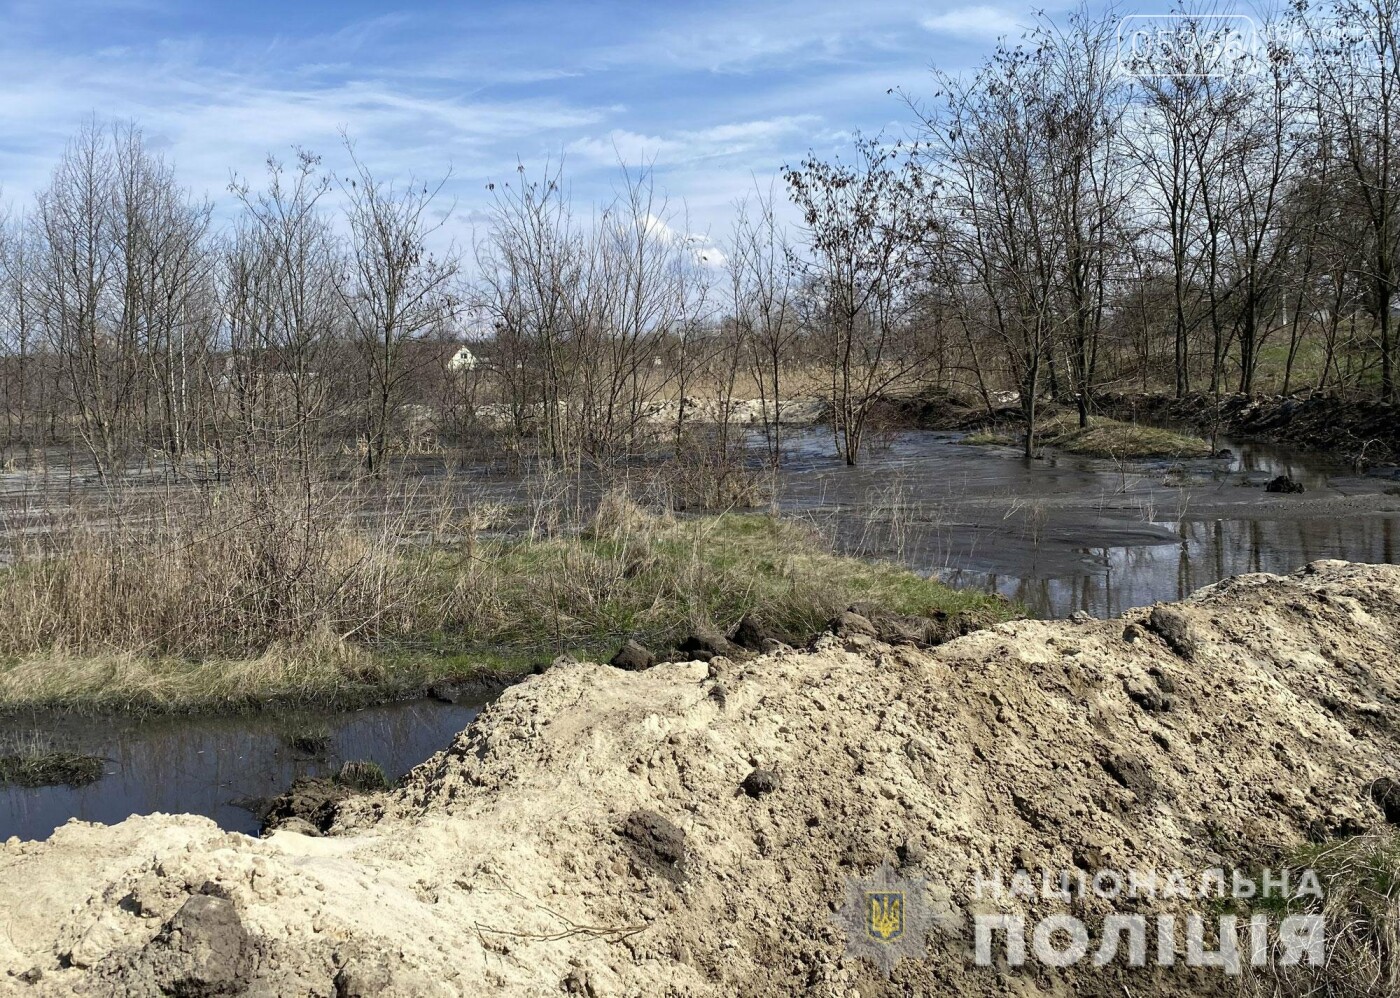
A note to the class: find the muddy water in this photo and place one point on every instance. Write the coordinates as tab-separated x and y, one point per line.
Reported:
1065	533
214	766
1059	534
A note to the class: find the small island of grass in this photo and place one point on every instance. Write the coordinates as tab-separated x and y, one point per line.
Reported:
1103	437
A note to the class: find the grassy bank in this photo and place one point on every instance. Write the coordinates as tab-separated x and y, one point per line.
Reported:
1103	437
1359	877
159	623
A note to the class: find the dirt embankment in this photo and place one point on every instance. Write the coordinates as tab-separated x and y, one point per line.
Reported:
601	832
1363	431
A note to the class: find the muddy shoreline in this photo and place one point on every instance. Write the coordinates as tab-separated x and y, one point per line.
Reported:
1360	432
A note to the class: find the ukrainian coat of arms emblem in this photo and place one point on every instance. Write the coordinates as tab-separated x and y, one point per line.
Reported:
885	918
884	915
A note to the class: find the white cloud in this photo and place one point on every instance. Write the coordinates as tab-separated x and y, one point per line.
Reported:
978	21
701	247
730	139
622	146
784	34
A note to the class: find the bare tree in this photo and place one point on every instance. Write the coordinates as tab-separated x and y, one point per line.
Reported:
394	290
1356	86
532	265
119	278
861	222
999	247
24	359
596	322
759	264
285	312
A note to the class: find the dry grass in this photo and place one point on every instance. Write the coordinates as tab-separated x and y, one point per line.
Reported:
1110	438
1360	906
1103	437
245	599
284	675
238	571
990	438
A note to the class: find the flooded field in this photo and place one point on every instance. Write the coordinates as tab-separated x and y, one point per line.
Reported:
1058	534
1065	533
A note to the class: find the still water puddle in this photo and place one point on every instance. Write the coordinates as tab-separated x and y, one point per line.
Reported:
206	765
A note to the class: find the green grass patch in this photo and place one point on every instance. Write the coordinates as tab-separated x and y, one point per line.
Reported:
1103	437
465	609
659	578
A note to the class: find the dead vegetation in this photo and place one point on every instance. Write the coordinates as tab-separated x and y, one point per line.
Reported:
32	761
1102	437
238	596
1360	908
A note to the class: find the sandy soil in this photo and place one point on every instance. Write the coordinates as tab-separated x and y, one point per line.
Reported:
591	834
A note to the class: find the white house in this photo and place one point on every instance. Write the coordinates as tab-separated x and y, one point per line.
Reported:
462	360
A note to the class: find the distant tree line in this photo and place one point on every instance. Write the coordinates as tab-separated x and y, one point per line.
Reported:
1189	210
1057	224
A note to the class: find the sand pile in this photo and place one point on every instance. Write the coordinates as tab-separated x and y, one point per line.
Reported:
600	832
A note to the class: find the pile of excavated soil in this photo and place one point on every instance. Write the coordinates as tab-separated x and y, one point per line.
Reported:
601	832
1351	429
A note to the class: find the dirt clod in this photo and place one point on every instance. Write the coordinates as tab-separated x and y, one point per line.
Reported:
751	633
310	803
705	645
759	782
1173	627
203	952
1386	793
851	624
632	657
658	842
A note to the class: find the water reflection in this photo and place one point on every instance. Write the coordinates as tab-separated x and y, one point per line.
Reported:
1071	533
204	765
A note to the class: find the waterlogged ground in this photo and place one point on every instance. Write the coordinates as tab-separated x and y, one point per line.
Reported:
217	766
1065	533
1058	534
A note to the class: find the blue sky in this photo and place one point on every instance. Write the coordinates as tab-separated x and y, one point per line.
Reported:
715	94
